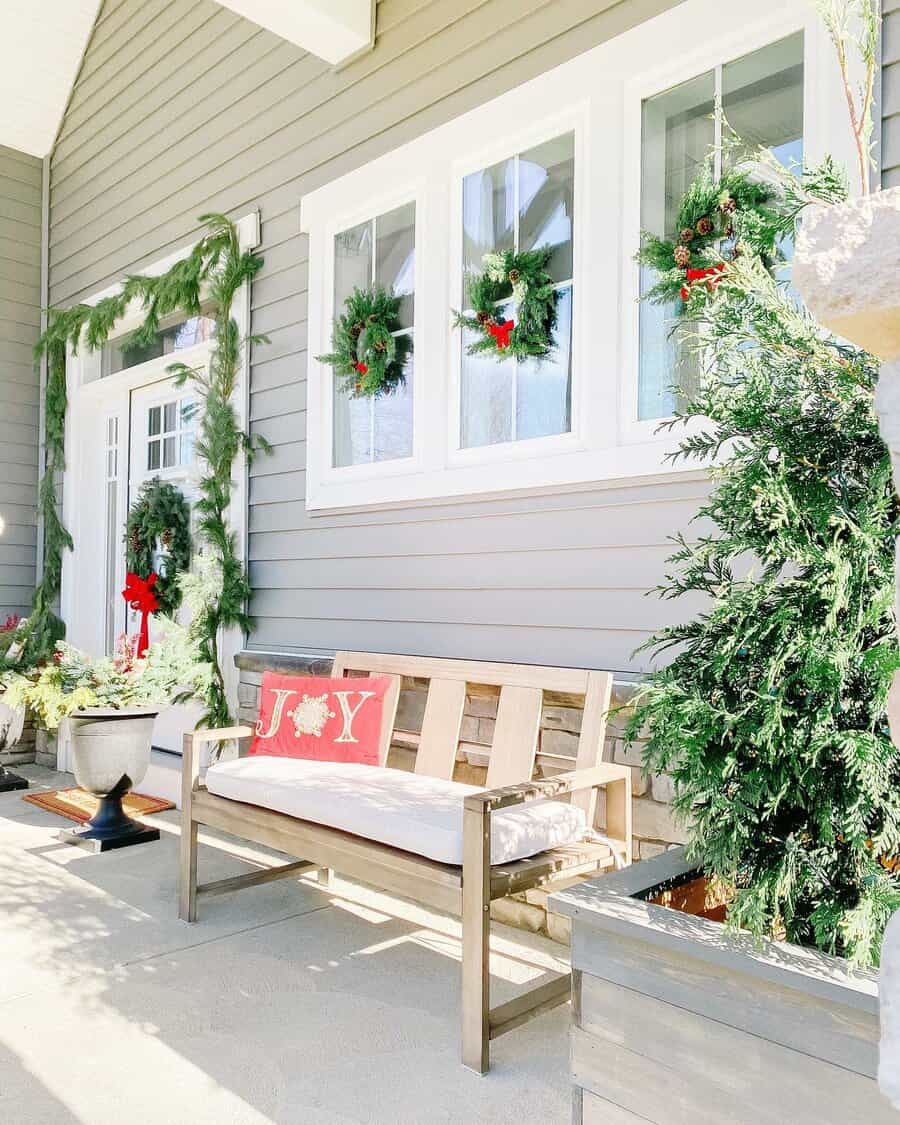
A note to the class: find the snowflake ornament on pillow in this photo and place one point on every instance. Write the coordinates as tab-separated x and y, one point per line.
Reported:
310	715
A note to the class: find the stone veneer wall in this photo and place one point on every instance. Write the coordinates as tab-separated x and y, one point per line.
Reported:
654	827
23	753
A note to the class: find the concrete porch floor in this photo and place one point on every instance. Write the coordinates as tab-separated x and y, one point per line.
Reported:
286	1003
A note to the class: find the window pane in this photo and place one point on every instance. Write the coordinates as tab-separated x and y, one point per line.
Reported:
170	452
762	97
169	417
153	420
395	256
546	194
543	392
153	455
488	212
393	420
352	429
677	132
352	263
486	404
186	454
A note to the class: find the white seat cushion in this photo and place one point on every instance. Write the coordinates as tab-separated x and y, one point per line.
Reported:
418	814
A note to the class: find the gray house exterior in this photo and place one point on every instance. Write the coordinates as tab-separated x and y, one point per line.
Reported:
21	178
183	107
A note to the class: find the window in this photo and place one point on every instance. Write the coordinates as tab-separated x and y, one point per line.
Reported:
170	434
762	100
122	353
580	157
522	203
378	252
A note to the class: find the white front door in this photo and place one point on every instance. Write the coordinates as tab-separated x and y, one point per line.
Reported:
126	429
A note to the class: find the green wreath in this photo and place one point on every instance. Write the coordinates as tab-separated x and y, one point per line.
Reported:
161	514
524	279
367	356
719	219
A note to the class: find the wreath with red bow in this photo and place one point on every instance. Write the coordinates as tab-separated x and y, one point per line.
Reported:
369	355
158	538
718	220
513	302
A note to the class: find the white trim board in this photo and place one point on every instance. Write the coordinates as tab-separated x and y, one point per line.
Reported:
598	95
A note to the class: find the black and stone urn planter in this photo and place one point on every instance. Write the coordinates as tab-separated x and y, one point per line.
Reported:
110	755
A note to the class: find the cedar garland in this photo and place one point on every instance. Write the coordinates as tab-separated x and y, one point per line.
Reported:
215	263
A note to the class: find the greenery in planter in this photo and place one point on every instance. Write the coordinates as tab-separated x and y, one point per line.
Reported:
171	671
771	716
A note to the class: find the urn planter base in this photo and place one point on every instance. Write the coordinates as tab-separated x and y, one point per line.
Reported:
110	827
10	781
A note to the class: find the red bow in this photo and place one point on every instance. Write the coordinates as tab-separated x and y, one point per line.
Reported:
712	275
362	368
501	332
139	594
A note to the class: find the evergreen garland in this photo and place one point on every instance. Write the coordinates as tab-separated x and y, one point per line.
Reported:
367	356
522	278
771	717
215	263
161	514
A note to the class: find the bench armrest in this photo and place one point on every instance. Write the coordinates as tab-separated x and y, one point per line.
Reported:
223	734
616	779
591	778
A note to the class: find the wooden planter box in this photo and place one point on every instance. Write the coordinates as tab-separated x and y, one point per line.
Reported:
678	1021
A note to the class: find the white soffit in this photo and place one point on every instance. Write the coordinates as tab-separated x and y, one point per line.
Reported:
335	30
41	44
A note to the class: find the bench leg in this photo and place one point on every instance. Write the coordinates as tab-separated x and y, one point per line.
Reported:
187	888
476	933
325	877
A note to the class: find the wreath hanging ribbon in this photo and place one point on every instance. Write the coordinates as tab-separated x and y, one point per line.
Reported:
370	350
524	280
139	595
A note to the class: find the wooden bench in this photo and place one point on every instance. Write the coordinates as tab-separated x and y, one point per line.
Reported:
468	890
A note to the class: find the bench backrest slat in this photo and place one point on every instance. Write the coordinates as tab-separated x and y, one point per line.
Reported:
515	736
443	717
591	741
517	727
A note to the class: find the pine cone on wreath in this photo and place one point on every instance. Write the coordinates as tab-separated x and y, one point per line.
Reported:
704	226
682	257
166	539
687	234
514	276
482	317
728	205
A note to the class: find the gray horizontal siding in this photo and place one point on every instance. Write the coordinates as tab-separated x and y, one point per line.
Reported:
20	318
890	94
182	107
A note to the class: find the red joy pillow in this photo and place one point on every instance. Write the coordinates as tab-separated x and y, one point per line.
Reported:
332	720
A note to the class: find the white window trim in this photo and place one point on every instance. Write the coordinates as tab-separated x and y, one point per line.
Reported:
599	96
89	395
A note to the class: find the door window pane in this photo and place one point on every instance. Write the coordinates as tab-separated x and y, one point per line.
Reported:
380	252
124	352
520	204
762	101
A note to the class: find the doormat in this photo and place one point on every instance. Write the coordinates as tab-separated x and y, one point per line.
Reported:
75	804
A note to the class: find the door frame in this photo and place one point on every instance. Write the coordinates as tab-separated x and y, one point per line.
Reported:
89	394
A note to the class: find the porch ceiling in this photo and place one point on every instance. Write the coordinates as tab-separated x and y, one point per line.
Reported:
335	30
41	44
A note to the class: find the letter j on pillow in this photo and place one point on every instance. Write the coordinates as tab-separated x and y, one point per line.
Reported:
331	720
